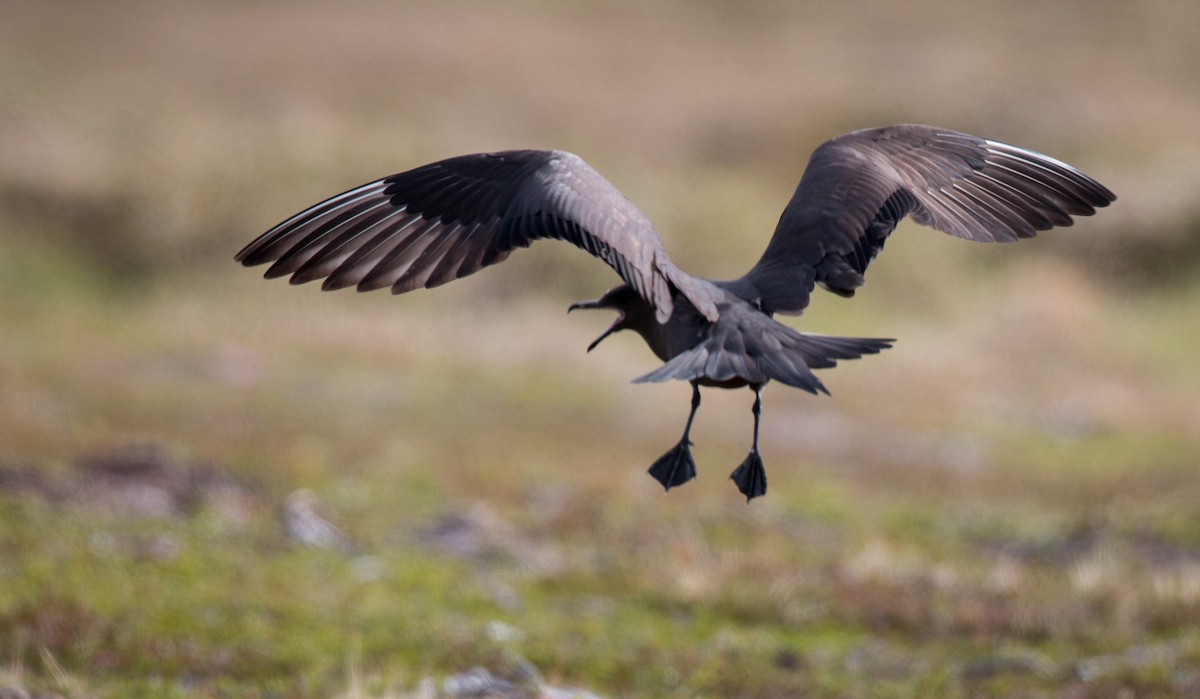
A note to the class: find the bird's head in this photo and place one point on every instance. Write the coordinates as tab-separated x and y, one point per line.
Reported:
633	312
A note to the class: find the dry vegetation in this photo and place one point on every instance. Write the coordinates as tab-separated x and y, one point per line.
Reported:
1005	504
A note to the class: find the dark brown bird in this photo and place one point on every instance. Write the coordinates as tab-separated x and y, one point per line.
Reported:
448	219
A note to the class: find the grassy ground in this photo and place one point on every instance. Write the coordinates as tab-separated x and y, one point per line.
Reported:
1005	504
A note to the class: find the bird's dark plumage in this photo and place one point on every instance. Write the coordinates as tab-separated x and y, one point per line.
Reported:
857	187
448	219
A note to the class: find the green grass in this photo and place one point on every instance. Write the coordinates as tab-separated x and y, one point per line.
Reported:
1061	554
886	597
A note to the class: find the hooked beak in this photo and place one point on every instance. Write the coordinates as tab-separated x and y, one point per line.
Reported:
585	305
592	305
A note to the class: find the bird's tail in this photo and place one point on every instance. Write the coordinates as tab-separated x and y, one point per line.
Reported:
766	350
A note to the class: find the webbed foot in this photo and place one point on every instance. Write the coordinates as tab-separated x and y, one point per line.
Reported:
676	467
751	477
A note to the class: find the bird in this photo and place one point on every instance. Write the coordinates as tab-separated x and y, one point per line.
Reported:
445	220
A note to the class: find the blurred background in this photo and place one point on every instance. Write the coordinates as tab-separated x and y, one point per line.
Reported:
1005	503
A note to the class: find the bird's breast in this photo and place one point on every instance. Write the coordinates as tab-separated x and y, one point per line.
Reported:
685	329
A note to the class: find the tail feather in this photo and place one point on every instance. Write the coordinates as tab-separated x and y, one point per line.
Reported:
763	349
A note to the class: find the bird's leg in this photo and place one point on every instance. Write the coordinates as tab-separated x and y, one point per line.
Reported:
751	477
677	467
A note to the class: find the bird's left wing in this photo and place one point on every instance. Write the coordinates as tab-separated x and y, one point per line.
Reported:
448	219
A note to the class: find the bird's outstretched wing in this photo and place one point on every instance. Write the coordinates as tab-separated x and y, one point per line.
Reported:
858	186
448	219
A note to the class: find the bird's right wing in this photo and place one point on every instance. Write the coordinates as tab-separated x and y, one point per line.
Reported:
858	186
448	219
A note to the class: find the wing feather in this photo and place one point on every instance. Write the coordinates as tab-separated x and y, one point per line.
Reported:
858	186
449	219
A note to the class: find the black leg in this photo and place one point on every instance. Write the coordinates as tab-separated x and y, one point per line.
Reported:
751	477
677	467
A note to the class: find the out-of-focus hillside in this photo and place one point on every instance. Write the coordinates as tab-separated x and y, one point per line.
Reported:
1006	502
179	129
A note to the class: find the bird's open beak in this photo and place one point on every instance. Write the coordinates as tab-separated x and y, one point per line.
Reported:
585	305
616	325
592	305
